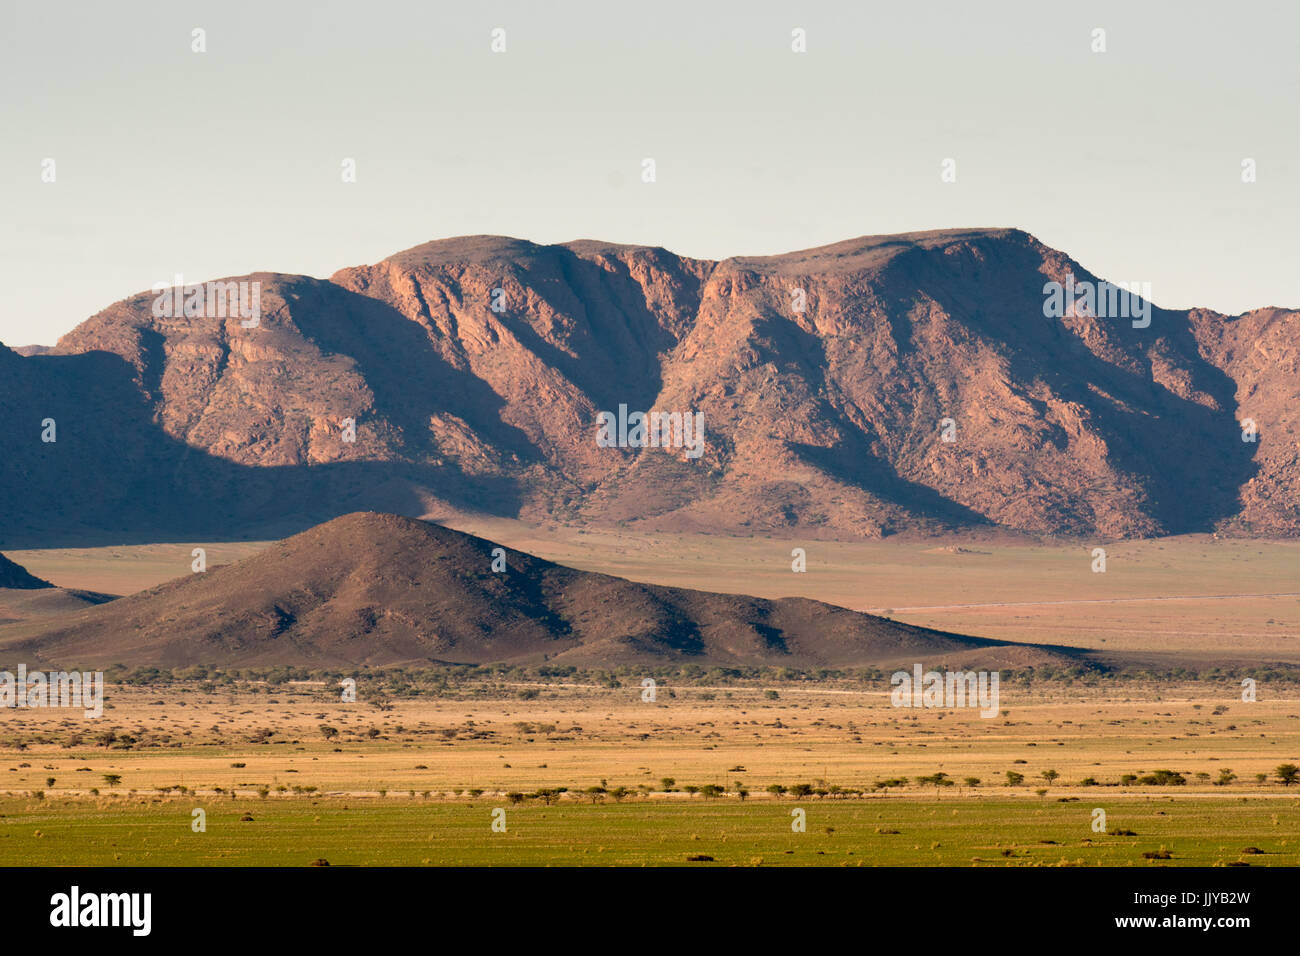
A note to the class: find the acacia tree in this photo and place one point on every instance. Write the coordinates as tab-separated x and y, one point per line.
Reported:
1287	774
939	779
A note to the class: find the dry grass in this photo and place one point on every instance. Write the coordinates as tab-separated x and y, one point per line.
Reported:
578	736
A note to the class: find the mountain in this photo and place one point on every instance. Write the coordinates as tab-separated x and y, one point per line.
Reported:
825	422
16	576
379	589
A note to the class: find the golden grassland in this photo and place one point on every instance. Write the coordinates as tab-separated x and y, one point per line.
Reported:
414	780
483	736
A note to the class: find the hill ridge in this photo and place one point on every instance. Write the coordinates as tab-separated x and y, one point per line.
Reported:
385	590
474	370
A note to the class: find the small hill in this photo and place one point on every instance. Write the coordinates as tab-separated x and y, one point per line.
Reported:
382	590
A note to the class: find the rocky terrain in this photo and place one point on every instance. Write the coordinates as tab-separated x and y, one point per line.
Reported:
825	422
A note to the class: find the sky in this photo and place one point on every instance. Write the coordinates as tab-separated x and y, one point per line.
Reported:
209	164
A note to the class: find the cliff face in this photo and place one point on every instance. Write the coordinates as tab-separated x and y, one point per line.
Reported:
474	370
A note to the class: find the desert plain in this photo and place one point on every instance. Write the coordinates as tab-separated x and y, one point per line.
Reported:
512	765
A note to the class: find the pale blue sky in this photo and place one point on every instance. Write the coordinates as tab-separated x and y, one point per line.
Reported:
227	162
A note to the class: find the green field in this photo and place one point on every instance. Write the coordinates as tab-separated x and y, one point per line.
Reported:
402	832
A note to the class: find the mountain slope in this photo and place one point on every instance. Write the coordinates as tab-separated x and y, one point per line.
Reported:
375	589
821	422
14	575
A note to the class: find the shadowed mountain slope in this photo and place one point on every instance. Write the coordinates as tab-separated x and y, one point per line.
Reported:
14	575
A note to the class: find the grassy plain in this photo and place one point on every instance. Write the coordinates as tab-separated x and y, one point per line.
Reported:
414	780
882	831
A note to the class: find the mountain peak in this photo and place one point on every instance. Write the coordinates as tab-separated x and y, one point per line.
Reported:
863	251
872	252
